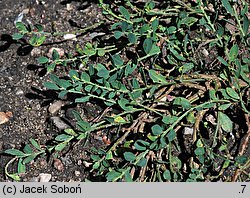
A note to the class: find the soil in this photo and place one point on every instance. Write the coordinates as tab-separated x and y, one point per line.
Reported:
21	85
28	104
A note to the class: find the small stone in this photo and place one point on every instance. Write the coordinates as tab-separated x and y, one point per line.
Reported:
26	11
59	123
45	177
79	162
69	7
58	165
56	106
210	118
77	173
35	52
205	52
4	117
70	37
188	131
87	164
19	92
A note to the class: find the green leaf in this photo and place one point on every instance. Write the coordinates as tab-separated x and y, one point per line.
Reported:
63	137
82	99
155	24
124	104
199	151
51	85
224	106
142	162
104	73
73	74
225	122
21	27
101	52
177	54
189	21
233	53
171	135
130	69
70	132
42	60
83	125
245	24
117	60
156	129
241	159
187	67
141	145
27	149
157	78
95	157
222	61
124	12
35	144
21	168
228	6
109	155
129	156
15	152
147	45
51	67
176	162
132	38
167	175
169	119
118	34
96	165
232	93
61	146
55	54
127	176
113	175
144	28
28	159
17	36
85	77
182	102
154	50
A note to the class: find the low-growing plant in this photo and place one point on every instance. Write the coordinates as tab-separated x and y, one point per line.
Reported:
163	87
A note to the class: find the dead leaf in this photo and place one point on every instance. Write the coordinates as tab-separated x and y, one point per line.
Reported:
4	117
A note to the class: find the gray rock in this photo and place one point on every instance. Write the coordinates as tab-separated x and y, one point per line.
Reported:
188	131
59	123
56	106
45	177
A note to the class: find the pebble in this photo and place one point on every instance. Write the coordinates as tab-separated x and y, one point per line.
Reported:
59	123
58	165
35	52
188	131
77	173
4	117
44	177
87	164
56	106
79	162
19	92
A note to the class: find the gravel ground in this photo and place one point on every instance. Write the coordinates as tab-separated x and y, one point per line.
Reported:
21	89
